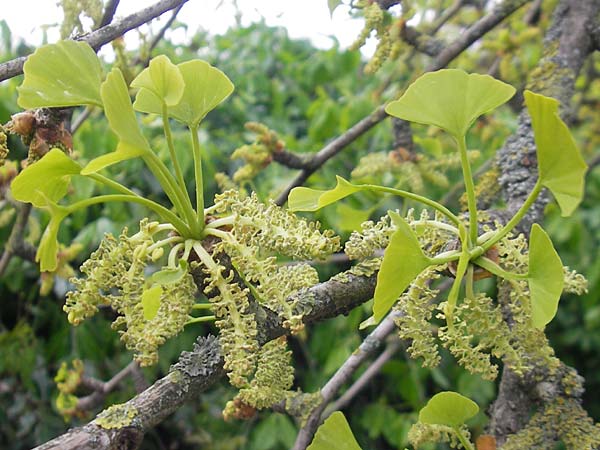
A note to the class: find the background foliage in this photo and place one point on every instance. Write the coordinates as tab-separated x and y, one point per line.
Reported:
307	96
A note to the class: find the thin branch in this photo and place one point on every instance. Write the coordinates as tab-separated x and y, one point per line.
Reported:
109	12
343	374
102	36
448	14
472	34
103	388
198	370
364	379
16	244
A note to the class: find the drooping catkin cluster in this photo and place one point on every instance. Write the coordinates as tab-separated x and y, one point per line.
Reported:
378	20
114	275
73	10
480	329
408	171
259	234
272	380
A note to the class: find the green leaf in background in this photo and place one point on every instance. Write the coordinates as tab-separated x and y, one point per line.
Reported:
170	275
122	120
163	79
334	434
46	179
448	408
151	301
402	261
48	247
450	99
205	88
306	199
332	4
545	277
67	73
349	218
561	166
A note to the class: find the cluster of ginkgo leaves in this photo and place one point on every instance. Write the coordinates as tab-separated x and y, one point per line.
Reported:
452	100
151	277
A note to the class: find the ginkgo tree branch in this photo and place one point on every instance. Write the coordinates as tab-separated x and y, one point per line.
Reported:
103	35
443	58
198	370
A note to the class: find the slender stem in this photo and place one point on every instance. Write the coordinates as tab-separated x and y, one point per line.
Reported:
516	218
171	260
494	268
201	319
201	306
435	205
469	291
446	257
229	220
163	212
173	154
198	175
173	191
437	224
111	184
469	187
463	440
163	242
218	233
463	263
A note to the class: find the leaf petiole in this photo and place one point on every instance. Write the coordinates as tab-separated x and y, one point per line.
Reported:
163	212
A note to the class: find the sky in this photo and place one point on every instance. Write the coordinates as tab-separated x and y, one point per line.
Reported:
302	18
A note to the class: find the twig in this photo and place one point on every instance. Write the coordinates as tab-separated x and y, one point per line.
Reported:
109	12
80	119
102	388
364	379
343	374
165	27
16	244
473	33
448	14
102	36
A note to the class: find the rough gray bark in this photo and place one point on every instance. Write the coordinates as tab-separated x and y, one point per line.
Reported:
567	44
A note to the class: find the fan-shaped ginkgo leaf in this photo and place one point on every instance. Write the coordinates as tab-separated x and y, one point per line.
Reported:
561	166
67	73
450	99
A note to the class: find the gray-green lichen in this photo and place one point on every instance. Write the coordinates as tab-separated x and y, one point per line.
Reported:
117	416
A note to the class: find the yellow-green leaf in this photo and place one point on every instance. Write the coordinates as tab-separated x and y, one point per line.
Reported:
46	179
205	88
170	275
151	301
67	73
403	260
349	218
450	99
334	434
545	277
448	408
48	247
163	79
561	166
306	199
122	120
